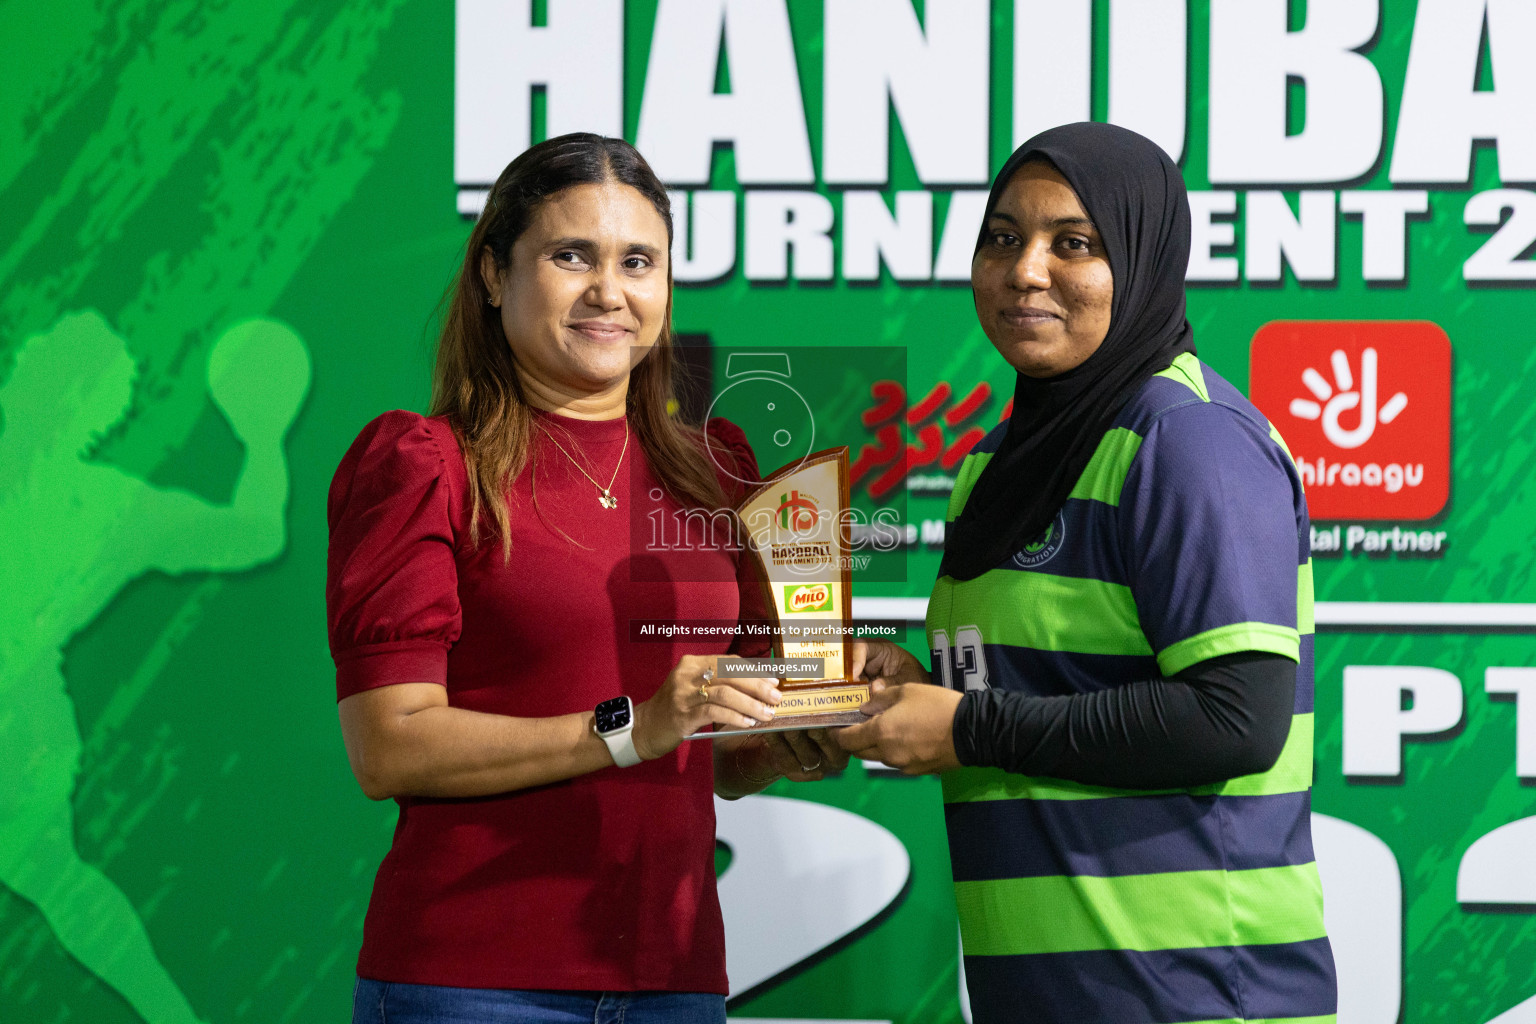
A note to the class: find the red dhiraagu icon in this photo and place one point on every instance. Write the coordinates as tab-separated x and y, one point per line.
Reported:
1365	408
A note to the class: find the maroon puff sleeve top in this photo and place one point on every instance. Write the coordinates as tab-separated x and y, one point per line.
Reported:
602	882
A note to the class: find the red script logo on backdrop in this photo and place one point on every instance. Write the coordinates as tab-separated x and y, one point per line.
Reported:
1365	407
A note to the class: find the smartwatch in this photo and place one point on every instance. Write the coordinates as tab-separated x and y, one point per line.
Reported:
614	723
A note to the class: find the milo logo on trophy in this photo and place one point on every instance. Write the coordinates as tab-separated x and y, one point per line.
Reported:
817	598
796	526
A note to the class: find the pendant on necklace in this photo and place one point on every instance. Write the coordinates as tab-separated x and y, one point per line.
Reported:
608	501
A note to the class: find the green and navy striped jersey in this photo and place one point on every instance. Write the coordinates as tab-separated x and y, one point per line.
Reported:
1185	538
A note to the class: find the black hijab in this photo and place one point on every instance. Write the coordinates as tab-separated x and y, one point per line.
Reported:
1135	197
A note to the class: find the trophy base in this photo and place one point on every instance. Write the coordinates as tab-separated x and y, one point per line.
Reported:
795	723
796	713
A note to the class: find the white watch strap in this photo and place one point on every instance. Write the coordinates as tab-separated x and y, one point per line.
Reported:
621	745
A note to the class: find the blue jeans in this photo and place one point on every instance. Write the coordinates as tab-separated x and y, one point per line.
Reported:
385	1002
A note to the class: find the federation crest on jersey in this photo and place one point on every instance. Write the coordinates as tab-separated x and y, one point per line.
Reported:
1044	547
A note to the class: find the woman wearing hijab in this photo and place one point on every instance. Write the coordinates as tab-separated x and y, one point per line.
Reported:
1120	634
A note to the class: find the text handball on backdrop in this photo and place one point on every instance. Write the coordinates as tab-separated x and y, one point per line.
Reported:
932	75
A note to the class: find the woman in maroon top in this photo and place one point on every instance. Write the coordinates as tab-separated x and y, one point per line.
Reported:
488	570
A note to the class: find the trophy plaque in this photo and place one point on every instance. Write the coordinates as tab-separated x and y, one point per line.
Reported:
795	526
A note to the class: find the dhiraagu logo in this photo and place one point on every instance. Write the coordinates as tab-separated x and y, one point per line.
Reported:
1365	407
1044	547
815	597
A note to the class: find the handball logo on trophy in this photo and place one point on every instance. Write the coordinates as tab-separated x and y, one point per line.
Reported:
798	514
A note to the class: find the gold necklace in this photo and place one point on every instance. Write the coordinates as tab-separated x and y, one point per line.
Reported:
607	500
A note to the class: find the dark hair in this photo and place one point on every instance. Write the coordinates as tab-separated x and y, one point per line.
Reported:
475	383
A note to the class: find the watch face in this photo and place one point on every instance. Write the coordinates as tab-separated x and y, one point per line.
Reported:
612	714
